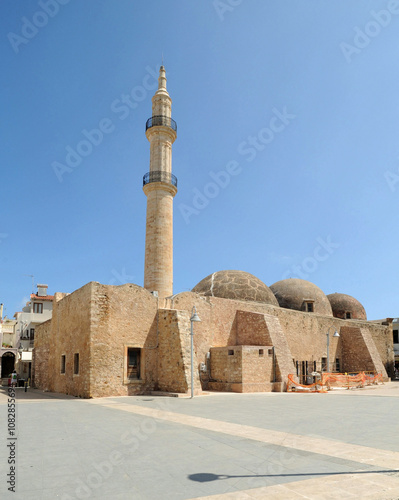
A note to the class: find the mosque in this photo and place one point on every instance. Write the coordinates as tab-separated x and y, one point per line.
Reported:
108	340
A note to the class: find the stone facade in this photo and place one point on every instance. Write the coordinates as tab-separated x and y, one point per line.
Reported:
242	368
158	275
101	328
174	354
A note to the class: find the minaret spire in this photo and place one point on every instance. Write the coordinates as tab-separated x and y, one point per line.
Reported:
160	186
162	79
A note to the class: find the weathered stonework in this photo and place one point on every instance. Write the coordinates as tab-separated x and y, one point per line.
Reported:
174	354
295	293
236	285
160	190
242	368
101	322
344	305
360	351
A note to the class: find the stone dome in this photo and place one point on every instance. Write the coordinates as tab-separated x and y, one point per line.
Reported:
301	295
237	285
346	307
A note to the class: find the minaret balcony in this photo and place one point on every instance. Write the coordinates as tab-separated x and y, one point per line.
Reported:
160	176
161	121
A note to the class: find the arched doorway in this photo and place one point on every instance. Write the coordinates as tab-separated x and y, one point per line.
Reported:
7	364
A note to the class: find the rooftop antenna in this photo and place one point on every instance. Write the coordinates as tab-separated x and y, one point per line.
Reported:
33	284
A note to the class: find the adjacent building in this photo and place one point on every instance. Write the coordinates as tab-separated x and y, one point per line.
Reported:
395	335
8	345
36	311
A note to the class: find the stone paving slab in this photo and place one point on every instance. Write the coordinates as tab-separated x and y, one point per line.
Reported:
218	446
353	487
348	417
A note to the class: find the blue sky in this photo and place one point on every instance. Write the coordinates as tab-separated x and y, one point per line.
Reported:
292	106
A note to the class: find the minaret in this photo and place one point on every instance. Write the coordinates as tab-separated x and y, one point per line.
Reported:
160	186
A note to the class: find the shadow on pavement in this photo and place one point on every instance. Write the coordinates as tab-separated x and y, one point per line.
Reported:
204	477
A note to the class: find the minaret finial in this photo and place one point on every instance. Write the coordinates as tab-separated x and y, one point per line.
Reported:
162	58
162	79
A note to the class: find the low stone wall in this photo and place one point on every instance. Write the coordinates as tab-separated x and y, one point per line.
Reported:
241	368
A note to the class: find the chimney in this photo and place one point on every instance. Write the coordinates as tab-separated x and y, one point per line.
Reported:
42	290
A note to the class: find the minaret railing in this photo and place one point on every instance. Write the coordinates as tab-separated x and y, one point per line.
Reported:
160	176
161	121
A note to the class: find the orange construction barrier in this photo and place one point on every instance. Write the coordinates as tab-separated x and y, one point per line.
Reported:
330	381
293	386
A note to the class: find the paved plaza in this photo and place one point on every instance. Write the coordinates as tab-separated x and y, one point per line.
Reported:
343	444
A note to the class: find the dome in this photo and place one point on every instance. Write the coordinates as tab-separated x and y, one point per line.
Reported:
301	295
236	285
346	307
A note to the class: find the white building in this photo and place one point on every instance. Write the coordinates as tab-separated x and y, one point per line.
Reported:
38	310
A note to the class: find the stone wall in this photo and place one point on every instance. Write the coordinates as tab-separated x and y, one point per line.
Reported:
360	352
41	352
70	333
100	322
241	368
121	317
174	354
265	329
303	334
383	340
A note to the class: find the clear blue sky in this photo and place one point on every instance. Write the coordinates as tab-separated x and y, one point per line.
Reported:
315	195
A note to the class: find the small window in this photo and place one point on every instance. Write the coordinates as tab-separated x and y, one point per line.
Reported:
231	352
76	363
32	333
396	336
348	315
270	352
309	307
38	307
261	352
337	365
63	363
323	364
133	363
